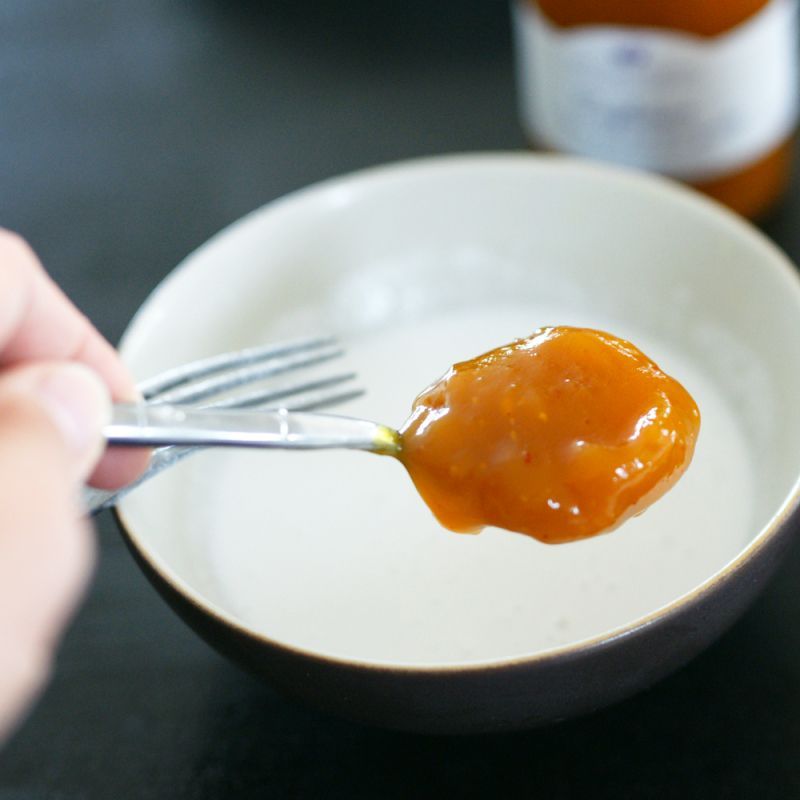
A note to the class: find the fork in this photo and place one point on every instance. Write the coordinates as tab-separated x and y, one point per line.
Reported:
209	403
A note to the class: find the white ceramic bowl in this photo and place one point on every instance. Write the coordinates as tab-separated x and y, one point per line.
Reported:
325	572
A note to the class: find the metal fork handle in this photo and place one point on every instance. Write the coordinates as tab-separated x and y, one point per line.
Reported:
188	428
158	425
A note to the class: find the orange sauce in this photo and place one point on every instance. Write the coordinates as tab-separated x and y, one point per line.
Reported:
560	436
709	18
752	188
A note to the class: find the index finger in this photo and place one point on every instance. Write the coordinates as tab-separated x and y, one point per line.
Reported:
38	322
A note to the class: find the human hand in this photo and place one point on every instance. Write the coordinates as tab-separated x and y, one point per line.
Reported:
57	378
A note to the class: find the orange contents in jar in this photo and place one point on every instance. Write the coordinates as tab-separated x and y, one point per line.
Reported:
752	182
560	436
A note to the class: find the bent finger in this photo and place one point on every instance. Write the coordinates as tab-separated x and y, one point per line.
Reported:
38	322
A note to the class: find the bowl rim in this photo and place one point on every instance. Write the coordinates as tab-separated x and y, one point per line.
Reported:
670	190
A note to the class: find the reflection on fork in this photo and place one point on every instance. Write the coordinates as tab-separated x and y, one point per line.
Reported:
228	381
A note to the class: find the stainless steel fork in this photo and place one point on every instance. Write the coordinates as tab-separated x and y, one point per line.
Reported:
215	386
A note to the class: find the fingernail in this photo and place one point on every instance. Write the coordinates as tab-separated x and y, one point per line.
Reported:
79	404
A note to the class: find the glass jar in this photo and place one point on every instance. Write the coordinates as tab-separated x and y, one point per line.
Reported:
705	92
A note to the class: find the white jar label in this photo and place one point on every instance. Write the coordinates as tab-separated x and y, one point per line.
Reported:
689	106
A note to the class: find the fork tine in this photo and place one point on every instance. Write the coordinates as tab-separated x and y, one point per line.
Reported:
322	400
172	378
271	394
206	388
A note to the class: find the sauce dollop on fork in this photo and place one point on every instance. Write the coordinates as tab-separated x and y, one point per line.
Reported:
562	435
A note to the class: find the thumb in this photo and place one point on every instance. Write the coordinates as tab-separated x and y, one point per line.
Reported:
50	421
64	404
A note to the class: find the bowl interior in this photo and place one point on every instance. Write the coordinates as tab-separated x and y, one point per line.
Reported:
415	267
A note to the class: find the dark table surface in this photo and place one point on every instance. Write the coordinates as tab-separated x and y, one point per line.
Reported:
131	132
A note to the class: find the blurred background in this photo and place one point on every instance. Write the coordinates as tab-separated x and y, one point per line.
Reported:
129	134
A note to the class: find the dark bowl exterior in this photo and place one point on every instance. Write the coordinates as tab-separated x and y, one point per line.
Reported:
494	697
